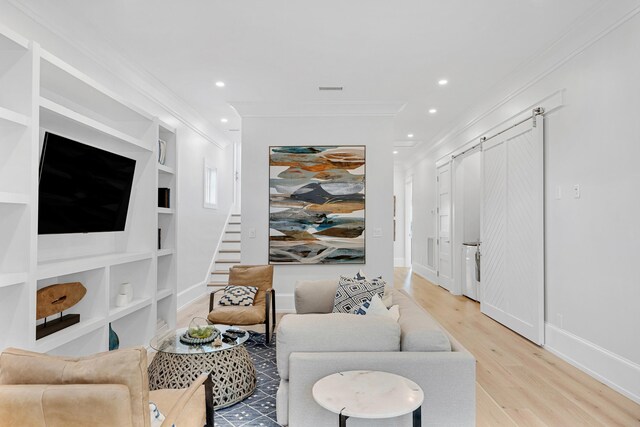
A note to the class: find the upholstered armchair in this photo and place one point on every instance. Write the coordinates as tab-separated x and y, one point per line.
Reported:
263	310
106	389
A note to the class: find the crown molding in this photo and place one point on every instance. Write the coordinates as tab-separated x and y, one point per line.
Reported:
317	109
586	31
108	58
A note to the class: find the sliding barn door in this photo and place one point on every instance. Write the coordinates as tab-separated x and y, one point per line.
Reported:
444	226
512	263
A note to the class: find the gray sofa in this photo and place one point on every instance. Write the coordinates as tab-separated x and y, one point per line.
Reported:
314	343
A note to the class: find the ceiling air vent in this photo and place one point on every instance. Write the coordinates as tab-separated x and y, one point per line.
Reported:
330	88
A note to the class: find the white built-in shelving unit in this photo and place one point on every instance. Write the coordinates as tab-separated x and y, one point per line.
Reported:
40	92
166	254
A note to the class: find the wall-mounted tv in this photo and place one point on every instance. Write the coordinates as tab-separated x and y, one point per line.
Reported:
82	189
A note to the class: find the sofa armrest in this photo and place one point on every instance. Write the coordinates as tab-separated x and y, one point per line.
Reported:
446	378
63	405
315	296
333	332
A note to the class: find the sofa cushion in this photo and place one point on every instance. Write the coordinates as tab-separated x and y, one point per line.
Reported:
315	296
334	332
420	331
193	413
237	315
127	367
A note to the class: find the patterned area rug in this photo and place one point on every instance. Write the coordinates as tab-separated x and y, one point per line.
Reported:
259	409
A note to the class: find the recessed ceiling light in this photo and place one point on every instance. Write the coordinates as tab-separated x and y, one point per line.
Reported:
220	84
433	111
443	82
224	120
410	135
395	151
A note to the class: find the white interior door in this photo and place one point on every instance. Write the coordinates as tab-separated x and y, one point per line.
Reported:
444	226
408	194
512	230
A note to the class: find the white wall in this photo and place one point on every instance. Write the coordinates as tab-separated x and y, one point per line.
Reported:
398	244
260	133
198	228
592	286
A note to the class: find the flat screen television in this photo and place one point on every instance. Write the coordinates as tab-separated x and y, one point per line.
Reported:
82	189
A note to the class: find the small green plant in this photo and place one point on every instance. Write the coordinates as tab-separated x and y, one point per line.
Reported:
201	332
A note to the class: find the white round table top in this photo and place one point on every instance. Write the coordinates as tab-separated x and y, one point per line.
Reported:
368	394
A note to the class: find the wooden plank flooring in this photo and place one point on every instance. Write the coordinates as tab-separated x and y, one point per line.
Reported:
519	383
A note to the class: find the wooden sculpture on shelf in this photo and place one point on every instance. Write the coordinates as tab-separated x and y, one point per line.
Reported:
55	299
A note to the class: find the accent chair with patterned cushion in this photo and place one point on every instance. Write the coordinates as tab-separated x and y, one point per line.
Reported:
263	310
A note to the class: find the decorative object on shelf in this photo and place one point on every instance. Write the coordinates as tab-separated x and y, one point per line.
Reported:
317	204
159	238
162	152
122	300
114	341
127	289
164	197
55	299
200	331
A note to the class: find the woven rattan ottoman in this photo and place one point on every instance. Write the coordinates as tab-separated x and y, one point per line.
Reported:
177	365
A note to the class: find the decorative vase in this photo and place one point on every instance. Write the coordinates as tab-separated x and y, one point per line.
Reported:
114	341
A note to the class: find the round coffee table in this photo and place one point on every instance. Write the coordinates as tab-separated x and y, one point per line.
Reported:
177	365
369	394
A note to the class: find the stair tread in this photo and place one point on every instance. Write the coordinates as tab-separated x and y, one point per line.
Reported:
234	223
220	272
229	251
232	241
228	261
217	284
232	232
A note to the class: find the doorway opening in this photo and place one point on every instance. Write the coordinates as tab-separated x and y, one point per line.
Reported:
408	203
467	177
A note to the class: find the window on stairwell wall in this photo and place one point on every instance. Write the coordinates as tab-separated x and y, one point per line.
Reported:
210	186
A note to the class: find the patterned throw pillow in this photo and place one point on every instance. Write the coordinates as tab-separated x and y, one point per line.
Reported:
351	293
238	295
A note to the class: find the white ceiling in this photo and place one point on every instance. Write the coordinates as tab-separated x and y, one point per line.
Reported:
276	51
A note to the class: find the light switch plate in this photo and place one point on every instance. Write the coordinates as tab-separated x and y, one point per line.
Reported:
576	191
377	232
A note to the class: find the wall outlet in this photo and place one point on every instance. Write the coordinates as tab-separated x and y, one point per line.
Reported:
576	191
377	232
558	192
252	233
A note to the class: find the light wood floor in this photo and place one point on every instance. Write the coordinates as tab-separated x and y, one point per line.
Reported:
518	383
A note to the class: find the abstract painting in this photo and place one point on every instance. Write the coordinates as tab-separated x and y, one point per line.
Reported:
317	204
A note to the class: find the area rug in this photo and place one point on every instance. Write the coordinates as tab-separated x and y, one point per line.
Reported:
259	409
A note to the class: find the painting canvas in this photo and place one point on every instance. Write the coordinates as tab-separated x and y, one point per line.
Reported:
317	204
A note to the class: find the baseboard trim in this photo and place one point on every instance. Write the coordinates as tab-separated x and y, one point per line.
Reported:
191	294
620	374
425	273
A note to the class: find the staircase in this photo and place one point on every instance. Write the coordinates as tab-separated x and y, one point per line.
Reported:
228	254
